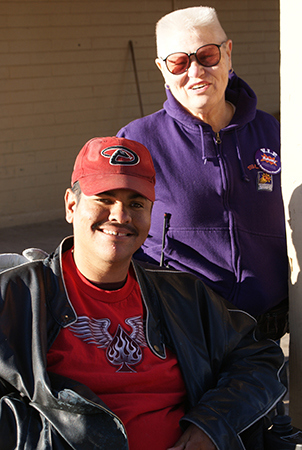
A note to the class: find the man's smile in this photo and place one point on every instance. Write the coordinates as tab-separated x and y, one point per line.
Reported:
114	233
115	230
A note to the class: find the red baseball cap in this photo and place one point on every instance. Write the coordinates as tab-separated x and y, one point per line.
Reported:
107	163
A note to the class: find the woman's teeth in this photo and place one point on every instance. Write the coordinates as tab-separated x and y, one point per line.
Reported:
199	86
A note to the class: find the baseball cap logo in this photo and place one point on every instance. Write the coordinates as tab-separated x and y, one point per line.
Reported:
120	156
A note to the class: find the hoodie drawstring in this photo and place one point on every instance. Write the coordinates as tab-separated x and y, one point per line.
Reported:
243	174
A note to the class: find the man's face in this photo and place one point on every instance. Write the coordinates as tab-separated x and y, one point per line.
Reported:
201	90
108	229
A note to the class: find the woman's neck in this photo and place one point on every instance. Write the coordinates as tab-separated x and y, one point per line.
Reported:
220	119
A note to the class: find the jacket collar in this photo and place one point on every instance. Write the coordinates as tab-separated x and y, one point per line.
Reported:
60	305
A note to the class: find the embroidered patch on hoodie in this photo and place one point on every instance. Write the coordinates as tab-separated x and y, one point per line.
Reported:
264	182
268	160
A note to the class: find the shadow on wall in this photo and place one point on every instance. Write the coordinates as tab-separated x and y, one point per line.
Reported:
295	220
295	309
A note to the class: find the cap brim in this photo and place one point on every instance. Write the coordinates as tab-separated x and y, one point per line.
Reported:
94	185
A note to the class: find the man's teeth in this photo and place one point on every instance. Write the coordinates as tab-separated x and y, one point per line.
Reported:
114	233
199	86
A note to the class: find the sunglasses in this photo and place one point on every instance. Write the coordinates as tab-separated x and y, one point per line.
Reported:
207	55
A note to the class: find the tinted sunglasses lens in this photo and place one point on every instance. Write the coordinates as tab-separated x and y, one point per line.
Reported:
208	56
177	63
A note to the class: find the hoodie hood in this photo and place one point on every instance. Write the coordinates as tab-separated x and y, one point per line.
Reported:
237	92
243	97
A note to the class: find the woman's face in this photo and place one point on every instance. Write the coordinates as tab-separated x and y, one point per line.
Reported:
200	90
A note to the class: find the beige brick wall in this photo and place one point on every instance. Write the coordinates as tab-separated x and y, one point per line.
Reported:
66	75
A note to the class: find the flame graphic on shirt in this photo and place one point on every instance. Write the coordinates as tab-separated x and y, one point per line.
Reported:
123	349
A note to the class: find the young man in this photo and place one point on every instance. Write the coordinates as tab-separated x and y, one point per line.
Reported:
98	352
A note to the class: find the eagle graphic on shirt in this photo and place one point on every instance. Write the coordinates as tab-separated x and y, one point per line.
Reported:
122	349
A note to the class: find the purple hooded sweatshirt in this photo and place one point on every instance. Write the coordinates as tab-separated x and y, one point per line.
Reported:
223	194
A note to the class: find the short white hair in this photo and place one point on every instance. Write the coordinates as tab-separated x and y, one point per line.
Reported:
190	19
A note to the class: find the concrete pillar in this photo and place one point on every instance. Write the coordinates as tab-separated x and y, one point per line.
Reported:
291	151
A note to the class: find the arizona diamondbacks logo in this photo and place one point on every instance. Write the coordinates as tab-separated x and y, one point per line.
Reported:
120	156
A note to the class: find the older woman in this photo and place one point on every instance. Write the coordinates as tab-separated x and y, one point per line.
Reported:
218	170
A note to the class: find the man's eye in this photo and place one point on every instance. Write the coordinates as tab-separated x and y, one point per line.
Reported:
136	205
105	201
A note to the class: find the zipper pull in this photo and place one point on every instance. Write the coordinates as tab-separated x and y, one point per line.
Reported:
217	136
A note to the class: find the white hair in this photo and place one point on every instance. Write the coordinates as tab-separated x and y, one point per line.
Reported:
191	19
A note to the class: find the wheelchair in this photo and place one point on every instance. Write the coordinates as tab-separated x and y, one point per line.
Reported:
281	435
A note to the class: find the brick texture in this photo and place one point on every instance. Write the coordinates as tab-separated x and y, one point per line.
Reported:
66	75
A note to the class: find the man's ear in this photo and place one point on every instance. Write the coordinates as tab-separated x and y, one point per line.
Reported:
70	205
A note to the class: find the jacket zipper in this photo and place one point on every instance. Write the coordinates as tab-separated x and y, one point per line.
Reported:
217	137
234	246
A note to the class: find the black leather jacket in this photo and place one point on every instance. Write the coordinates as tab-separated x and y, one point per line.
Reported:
231	379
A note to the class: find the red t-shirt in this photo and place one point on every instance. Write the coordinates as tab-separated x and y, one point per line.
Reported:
106	350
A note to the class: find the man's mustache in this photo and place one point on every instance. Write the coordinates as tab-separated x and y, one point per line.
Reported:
122	228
